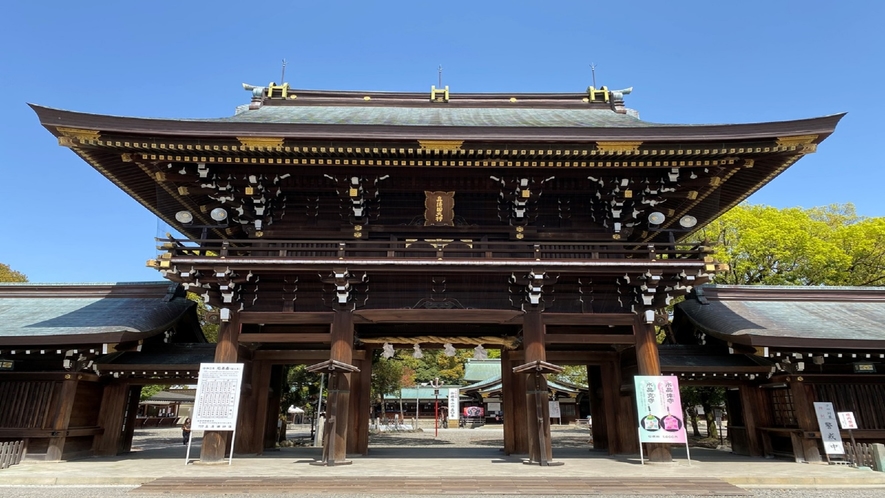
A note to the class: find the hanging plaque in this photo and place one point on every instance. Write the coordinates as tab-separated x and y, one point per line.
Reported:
439	209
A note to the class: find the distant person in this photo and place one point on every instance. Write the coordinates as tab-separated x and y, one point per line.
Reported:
185	431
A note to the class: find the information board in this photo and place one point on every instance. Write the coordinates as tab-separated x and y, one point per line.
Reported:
660	409
218	397
847	420
555	412
829	429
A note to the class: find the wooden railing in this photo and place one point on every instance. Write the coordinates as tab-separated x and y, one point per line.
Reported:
433	249
11	453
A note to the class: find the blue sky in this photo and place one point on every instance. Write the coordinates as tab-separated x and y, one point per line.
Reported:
690	62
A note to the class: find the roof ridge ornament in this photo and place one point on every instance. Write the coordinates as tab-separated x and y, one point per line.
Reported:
613	97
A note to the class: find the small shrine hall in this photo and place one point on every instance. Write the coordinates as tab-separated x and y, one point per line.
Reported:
322	226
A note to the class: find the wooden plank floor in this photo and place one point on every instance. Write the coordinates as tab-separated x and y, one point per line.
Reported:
386	486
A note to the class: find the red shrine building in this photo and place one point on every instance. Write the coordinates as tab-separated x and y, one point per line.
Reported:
322	225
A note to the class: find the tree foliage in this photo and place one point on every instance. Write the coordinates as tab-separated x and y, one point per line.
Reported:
7	274
210	330
148	391
828	245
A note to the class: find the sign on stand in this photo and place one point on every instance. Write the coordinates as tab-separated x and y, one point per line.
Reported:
829	429
217	401
660	411
454	405
555	411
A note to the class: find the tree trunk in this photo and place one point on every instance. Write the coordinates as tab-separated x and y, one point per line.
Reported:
712	430
693	417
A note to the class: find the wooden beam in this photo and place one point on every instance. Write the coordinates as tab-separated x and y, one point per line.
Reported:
589	318
281	356
572	357
590	339
437	316
286	318
286	338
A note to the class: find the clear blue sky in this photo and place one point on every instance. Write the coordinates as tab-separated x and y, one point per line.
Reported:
691	62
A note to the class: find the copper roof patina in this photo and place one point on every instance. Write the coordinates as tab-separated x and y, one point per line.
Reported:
88	313
789	316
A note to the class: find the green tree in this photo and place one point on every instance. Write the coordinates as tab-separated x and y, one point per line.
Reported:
7	274
148	391
575	375
828	245
210	330
708	398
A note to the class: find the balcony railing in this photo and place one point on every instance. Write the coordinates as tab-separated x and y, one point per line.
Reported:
455	250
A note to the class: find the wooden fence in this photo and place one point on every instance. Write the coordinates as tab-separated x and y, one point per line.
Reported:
11	453
860	455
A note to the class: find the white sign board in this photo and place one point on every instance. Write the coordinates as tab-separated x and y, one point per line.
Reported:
454	403
829	429
555	412
847	420
218	397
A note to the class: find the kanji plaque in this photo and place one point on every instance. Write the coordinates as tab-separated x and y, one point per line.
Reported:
439	209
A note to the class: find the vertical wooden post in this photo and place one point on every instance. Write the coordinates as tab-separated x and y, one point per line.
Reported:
648	363
245	441
803	409
749	407
270	399
596	393
342	350
355	415
365	405
114	400
133	397
536	413
508	395
215	442
610	379
63	403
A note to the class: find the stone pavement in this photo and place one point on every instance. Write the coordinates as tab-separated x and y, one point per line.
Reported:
166	463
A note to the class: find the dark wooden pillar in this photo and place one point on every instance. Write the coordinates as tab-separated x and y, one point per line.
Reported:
749	408
245	441
508	395
610	380
536	349
215	442
342	350
62	405
648	363
803	410
353	422
134	396
364	408
111	418
596	391
270	397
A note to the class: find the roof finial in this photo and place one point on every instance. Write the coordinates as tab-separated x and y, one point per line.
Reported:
283	76
439	77
593	72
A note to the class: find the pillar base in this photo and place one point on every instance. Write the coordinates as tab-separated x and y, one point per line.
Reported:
543	464
331	464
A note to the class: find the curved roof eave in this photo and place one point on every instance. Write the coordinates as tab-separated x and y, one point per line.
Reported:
52	118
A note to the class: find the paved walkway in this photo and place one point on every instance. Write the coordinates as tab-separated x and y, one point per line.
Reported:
582	467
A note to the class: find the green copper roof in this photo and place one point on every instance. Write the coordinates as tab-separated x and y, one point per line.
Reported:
46	314
437	116
760	315
480	370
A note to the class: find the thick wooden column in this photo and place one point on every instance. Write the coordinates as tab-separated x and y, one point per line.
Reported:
749	408
610	380
342	350
596	391
536	349
508	395
353	422
215	442
114	401
62	405
134	396
270	400
803	410
364	408
648	363
246	418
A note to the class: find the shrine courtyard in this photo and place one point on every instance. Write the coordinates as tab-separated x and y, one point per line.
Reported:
458	462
